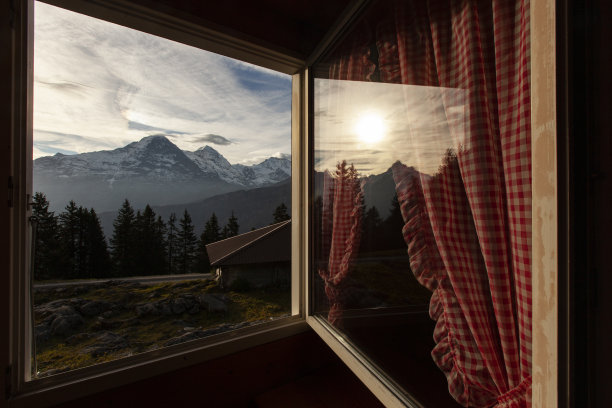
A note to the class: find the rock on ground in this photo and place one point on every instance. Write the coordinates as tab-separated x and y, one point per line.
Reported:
105	342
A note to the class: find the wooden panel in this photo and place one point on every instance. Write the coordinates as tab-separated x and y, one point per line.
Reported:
544	175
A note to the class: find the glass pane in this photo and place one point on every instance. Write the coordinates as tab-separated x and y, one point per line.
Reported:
362	131
421	197
162	180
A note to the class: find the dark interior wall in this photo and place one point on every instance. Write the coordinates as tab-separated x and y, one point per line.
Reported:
6	80
600	240
241	379
296	26
585	157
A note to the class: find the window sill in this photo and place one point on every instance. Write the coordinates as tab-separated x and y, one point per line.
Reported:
90	380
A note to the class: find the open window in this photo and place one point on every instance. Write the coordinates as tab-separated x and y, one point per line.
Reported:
410	113
161	192
421	200
156	182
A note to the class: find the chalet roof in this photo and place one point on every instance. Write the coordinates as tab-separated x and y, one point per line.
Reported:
267	244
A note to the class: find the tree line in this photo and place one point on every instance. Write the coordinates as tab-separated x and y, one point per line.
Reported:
72	245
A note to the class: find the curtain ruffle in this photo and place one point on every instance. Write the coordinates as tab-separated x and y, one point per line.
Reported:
428	268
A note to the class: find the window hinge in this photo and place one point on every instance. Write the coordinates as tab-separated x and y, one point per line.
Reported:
8	379
11	188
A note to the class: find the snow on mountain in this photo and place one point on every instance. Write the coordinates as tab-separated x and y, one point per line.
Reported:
153	157
159	158
271	170
153	170
209	160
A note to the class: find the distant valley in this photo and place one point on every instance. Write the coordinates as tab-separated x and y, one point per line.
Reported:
253	208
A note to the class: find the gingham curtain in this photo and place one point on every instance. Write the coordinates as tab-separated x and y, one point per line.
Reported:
341	231
467	228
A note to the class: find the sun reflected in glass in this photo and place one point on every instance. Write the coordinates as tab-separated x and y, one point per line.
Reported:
370	128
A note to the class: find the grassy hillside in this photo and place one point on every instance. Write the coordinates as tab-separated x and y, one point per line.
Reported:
77	326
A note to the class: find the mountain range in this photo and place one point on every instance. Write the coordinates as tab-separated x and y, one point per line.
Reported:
155	171
151	171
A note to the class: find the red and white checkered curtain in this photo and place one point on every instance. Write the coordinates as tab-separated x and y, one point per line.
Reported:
341	231
467	228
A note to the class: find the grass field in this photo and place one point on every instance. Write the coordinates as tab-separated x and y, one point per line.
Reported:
77	326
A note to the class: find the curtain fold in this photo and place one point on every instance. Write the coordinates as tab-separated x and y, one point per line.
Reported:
341	232
467	227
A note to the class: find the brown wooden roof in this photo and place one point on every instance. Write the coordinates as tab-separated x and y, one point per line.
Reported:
267	244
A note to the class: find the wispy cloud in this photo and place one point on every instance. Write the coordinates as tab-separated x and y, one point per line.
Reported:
113	85
214	139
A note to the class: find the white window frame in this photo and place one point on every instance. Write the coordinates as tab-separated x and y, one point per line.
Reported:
25	391
89	380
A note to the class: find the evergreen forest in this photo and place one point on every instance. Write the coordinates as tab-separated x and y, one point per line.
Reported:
72	244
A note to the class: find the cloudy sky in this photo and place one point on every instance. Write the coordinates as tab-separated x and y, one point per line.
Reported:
372	125
99	86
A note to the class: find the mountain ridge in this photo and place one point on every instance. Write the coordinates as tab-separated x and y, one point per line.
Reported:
152	171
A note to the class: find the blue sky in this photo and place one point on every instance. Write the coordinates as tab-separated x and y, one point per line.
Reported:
100	86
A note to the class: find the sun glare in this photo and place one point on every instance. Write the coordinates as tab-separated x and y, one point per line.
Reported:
370	128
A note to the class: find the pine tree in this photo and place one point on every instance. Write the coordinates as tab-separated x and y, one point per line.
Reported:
231	228
171	243
392	226
97	259
280	213
71	238
211	234
122	241
211	230
149	245
202	263
187	241
46	247
371	228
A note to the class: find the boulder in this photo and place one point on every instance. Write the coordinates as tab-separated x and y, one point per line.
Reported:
147	309
178	306
105	342
165	309
63	323
95	307
215	303
57	306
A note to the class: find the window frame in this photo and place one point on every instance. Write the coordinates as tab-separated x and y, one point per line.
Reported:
21	388
548	368
89	380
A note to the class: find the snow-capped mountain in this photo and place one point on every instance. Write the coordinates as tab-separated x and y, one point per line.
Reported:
151	171
271	170
153	157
